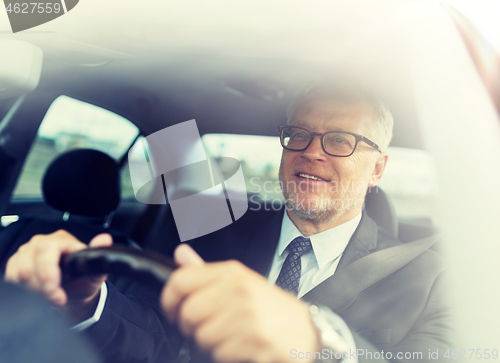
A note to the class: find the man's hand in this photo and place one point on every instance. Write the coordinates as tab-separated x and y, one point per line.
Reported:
234	313
36	265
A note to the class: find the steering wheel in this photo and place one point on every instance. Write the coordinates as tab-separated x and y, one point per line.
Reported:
143	266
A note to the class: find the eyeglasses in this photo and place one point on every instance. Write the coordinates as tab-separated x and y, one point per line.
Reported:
334	143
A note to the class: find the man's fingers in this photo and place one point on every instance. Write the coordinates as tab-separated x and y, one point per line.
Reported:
237	349
36	265
18	269
181	283
184	255
48	255
216	330
201	306
175	290
46	261
57	296
101	240
188	279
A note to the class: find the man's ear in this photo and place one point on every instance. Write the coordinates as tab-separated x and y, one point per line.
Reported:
378	169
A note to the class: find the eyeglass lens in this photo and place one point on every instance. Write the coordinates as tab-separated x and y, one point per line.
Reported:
336	143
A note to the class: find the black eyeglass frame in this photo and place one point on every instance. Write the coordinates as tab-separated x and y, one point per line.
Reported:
322	135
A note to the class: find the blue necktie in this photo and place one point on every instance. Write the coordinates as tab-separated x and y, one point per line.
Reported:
289	277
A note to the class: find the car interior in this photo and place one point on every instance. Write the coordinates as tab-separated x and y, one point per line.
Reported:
70	184
64	144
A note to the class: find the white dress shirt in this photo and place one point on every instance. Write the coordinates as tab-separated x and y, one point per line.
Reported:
97	314
321	262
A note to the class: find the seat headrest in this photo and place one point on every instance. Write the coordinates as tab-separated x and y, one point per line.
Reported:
380	208
84	182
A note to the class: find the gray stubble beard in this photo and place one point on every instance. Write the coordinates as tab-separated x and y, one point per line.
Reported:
322	210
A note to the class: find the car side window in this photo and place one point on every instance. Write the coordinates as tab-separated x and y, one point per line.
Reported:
72	124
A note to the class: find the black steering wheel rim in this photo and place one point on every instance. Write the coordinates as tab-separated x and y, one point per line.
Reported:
143	266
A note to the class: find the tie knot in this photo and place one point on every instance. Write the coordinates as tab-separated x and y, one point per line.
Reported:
300	246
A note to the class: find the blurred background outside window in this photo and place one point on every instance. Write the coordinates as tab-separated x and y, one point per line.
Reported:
71	124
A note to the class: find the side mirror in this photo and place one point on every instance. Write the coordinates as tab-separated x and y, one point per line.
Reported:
20	68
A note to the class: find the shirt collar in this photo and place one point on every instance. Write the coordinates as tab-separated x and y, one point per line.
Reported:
327	245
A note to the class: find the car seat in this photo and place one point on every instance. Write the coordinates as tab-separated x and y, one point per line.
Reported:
379	207
84	184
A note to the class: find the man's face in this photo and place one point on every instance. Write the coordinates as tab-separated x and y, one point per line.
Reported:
344	180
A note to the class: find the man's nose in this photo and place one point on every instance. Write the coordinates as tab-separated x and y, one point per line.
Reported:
314	151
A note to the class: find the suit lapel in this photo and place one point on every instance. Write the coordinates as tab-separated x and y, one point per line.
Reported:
362	242
260	251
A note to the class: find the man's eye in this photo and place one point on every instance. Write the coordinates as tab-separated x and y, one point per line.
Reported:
298	135
339	141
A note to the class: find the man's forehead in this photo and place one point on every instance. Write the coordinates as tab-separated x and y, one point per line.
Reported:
330	111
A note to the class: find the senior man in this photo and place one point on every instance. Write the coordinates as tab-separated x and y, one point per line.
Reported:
253	306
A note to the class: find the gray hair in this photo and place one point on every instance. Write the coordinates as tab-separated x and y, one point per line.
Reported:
383	121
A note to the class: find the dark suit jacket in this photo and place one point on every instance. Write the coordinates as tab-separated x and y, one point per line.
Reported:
405	312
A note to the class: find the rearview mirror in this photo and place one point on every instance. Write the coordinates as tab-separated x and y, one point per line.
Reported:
20	68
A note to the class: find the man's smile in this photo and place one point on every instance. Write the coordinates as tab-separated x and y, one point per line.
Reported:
311	176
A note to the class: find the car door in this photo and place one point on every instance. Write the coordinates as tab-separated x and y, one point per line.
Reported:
67	125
